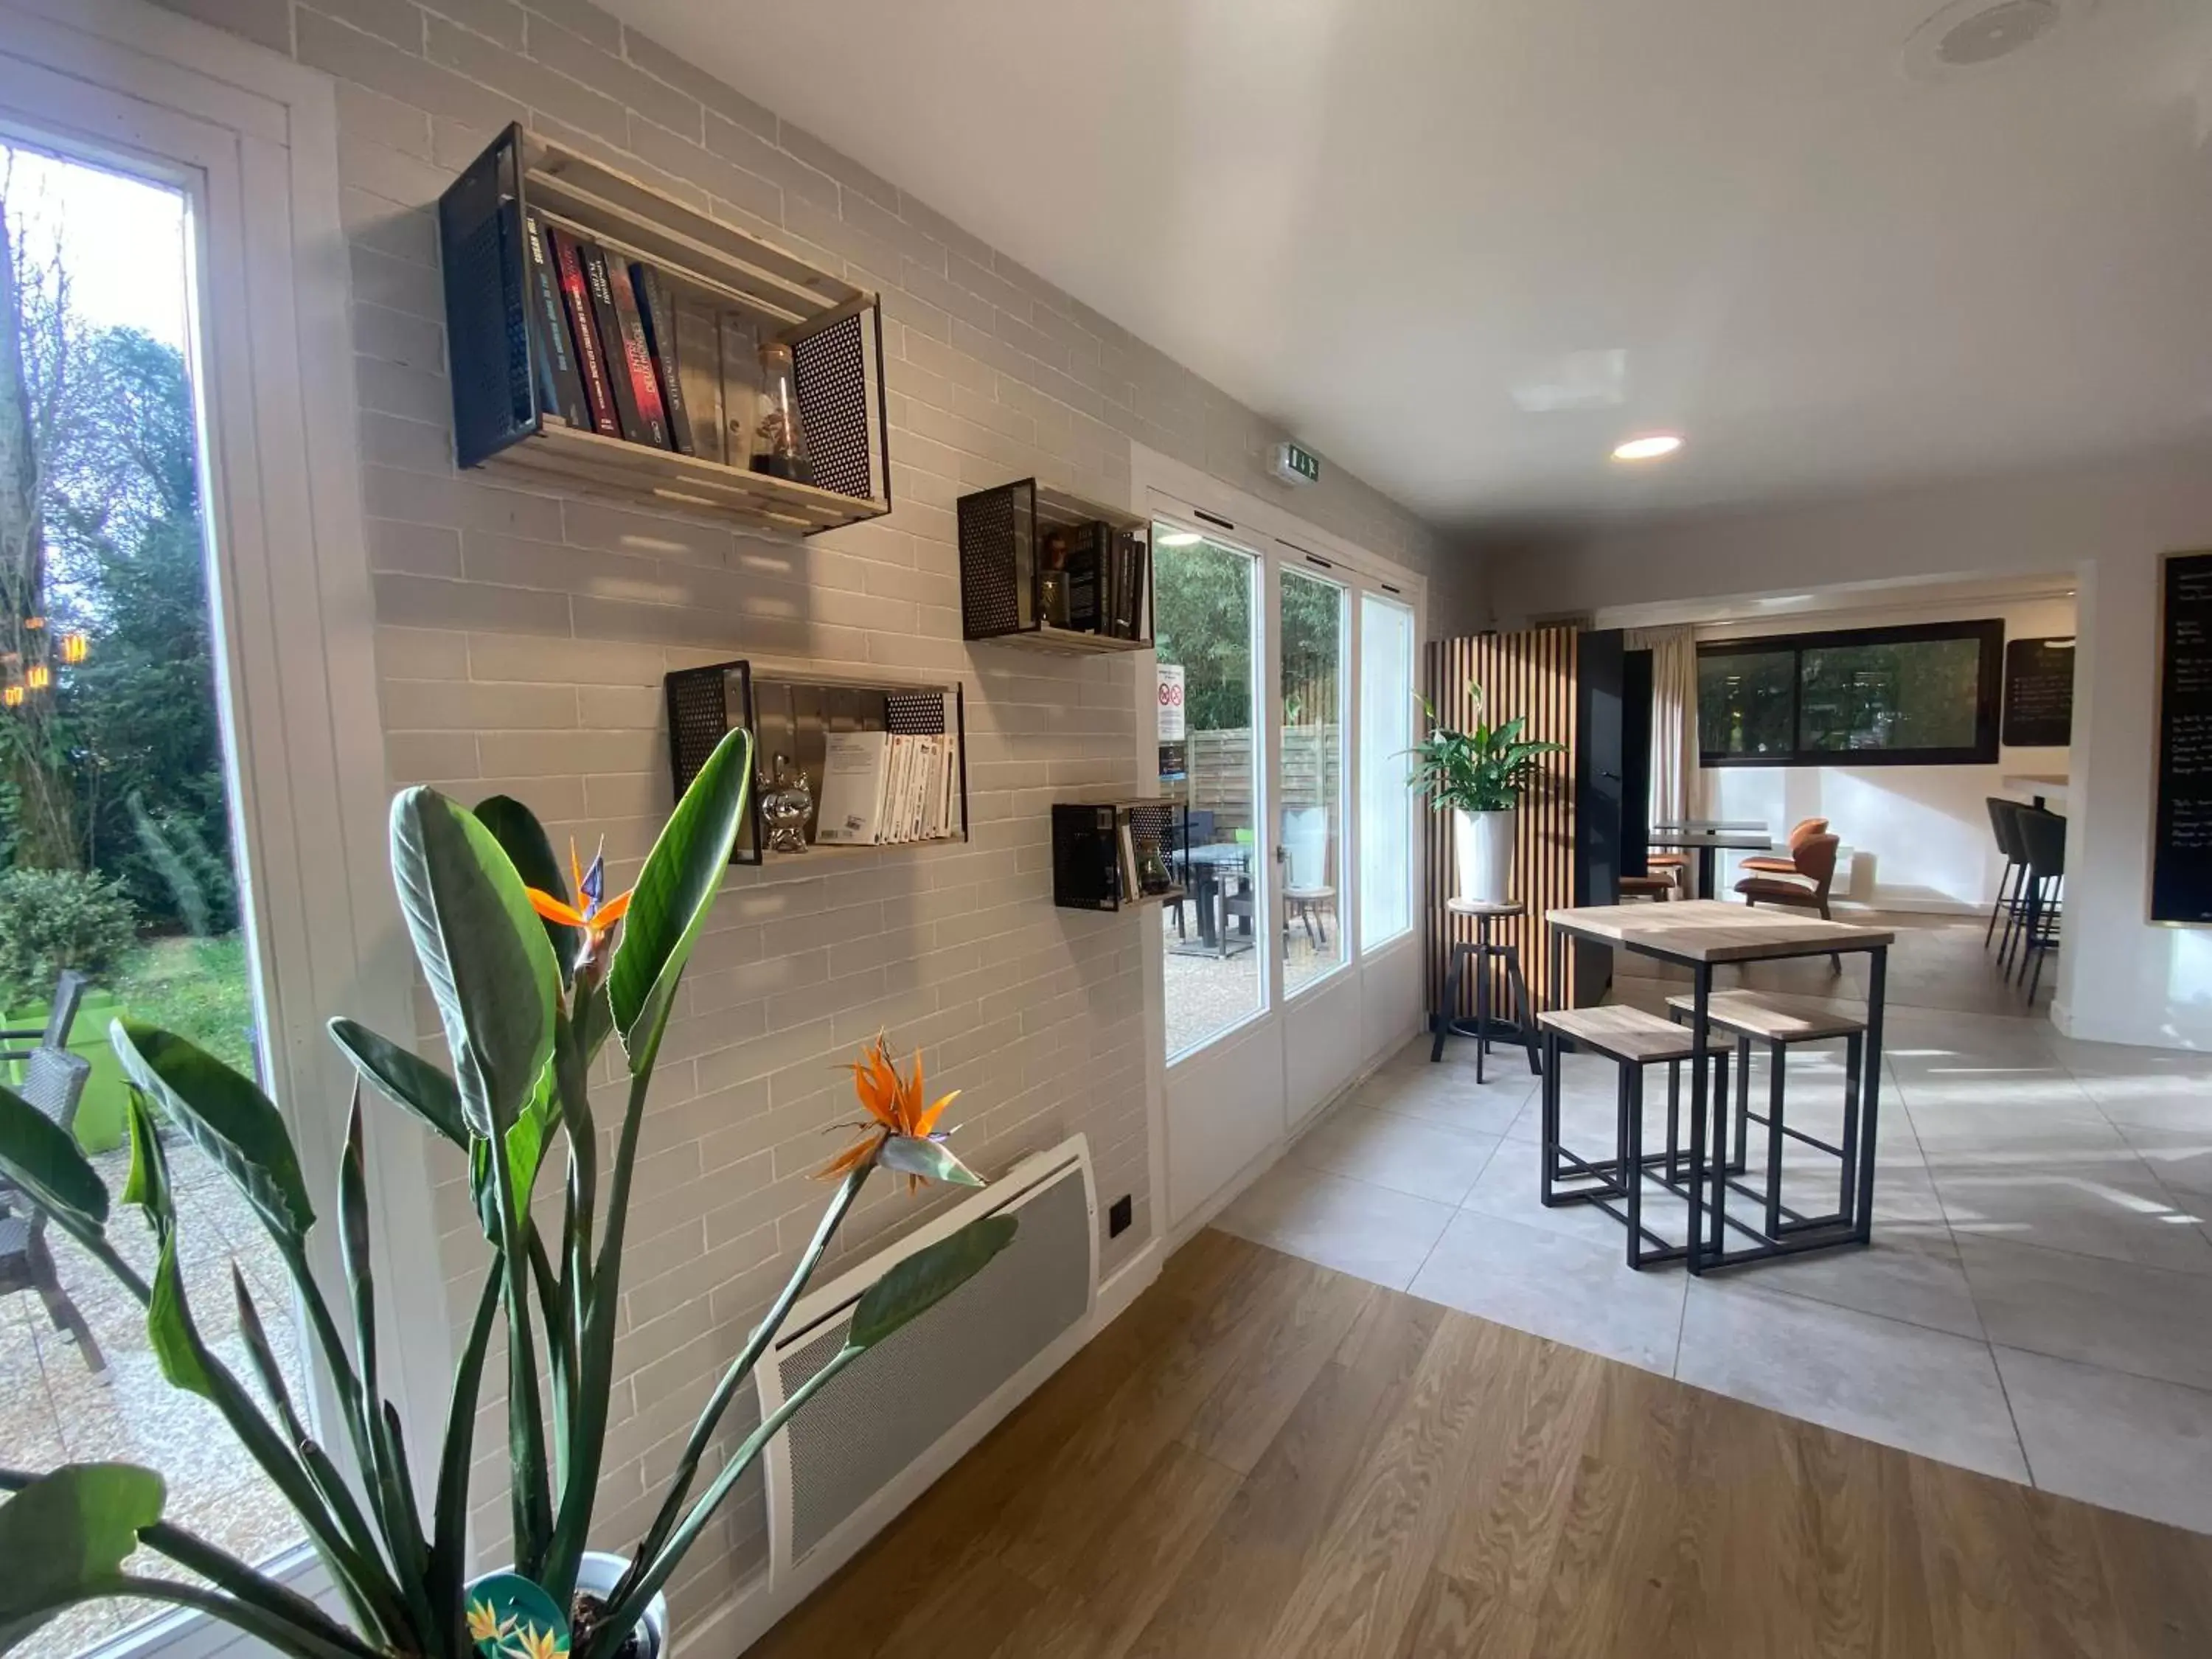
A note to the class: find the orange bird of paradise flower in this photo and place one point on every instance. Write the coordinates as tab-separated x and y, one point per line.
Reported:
900	1132
598	916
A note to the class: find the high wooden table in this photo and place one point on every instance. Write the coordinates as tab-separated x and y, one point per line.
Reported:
1703	935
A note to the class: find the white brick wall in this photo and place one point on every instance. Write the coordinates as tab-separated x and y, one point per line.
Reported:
522	636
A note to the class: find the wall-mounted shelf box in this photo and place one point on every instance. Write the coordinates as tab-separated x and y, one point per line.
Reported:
1102	849
1030	576
732	293
793	713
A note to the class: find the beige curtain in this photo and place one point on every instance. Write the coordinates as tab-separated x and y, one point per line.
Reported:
1674	718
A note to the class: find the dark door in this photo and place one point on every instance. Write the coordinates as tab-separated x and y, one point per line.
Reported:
1635	762
1599	670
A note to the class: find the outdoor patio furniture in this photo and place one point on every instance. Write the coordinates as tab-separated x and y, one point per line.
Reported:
61	1015
54	1083
1306	892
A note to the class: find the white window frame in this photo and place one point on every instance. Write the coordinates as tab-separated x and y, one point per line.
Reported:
250	138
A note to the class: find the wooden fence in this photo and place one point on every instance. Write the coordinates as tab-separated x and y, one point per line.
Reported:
1221	772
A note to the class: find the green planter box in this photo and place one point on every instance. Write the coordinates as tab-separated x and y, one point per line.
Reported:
99	1115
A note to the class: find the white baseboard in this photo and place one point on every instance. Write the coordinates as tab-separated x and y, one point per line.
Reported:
741	1620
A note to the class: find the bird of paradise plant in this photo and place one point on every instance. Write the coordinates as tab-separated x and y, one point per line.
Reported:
530	983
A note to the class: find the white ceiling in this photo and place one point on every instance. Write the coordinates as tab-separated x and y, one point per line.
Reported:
1376	221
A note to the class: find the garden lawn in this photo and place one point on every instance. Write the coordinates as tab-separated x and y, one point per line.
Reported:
197	988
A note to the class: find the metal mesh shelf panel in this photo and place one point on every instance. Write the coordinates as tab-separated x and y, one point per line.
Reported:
831	366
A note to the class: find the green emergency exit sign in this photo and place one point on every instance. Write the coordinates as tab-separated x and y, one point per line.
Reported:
1296	465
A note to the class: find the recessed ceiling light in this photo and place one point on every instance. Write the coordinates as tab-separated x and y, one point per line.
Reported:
1650	447
1181	538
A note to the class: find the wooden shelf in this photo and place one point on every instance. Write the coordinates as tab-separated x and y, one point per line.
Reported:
731	292
616	469
1065	642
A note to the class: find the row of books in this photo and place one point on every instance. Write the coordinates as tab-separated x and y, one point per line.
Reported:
604	340
880	788
1092	580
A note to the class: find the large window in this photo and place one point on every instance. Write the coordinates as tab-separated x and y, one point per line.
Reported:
1310	766
1386	801
1923	696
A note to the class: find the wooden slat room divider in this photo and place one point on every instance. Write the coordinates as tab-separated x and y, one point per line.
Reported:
1529	673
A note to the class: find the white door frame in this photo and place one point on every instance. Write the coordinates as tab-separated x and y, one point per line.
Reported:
1258	1066
252	139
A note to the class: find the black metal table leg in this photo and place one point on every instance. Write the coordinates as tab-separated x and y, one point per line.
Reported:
1701	991
1481	995
1522	1006
1870	1124
1847	1180
1777	1069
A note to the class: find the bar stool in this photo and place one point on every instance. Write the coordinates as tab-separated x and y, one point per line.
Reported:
2043	843
1749	1017
1446	1021
1633	1040
2006	837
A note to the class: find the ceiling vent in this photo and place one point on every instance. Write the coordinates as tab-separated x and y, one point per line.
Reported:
1971	35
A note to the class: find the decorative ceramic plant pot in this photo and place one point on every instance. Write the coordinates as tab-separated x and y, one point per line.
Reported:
598	1573
1484	844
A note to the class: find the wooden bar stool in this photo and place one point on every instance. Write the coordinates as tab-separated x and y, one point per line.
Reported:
1633	1040
1749	1017
1446	1021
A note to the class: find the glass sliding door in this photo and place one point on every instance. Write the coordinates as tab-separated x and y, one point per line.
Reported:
1310	760
1205	616
118	857
1386	799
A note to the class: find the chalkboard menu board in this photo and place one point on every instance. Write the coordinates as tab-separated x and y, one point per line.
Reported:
2038	694
2181	833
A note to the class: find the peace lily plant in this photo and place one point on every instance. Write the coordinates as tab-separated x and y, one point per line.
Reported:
1479	775
530	979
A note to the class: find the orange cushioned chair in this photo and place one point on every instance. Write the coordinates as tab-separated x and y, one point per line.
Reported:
1814	867
1803	831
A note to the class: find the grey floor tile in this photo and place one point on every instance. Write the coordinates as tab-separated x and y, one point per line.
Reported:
2145	1320
1924	1391
1425	1158
2109	1438
2112	1208
1352	1226
1556	1286
1448	1094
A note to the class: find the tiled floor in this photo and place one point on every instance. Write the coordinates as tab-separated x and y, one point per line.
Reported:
2038	1301
53	1410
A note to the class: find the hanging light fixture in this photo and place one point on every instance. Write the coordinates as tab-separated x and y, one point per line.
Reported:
34	623
76	645
38	677
12	696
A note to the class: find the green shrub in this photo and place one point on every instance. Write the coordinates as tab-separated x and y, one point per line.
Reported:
51	920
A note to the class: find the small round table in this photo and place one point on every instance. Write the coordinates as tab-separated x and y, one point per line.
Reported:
1446	1023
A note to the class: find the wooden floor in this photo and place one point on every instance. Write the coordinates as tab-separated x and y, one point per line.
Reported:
1262	1457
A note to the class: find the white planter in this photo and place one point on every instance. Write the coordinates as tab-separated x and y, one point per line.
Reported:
1483	843
598	1574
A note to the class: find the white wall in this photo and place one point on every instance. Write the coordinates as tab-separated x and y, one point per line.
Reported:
2120	979
1919	836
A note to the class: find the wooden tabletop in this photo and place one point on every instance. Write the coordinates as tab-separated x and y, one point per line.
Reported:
1759	824
1707	930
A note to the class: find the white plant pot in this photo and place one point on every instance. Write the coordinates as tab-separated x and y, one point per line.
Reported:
598	1573
1483	842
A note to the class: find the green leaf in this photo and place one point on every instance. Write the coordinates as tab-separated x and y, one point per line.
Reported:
147	1183
933	1160
927	1278
674	893
169	1329
489	966
449	1525
516	828
404	1077
226	1116
44	1159
67	1533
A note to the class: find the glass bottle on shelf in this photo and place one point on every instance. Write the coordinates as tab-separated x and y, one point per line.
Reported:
778	447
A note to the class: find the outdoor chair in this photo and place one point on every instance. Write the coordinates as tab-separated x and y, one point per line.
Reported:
1306	893
53	1082
61	1016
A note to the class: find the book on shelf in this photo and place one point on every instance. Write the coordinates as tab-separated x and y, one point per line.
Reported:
656	308
591	362
634	357
560	386
599	279
882	788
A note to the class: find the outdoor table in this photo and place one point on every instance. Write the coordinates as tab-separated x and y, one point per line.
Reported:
1205	870
1705	842
1702	934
